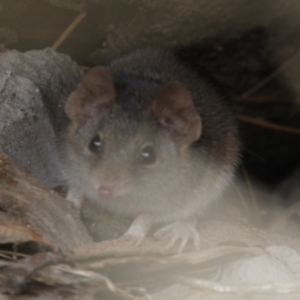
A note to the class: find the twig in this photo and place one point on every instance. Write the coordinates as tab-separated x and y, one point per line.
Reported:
266	124
255	99
188	258
10	255
276	287
272	75
97	277
68	31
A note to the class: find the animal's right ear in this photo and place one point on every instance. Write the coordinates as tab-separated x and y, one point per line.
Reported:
96	89
175	110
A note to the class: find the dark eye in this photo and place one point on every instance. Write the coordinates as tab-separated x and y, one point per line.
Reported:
96	144
148	156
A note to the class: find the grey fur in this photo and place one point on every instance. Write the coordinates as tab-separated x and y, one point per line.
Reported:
177	187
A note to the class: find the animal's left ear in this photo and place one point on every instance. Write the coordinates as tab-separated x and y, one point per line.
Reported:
174	109
95	90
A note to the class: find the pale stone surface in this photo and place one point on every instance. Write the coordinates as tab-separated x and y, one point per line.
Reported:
33	88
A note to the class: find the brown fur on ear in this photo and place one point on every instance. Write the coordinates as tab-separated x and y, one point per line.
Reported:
174	109
97	88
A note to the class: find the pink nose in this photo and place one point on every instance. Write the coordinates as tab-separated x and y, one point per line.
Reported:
105	192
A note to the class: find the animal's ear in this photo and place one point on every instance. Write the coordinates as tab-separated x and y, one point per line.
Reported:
174	109
96	89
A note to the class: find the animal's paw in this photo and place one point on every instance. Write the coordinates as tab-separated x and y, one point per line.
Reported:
75	197
181	232
129	240
136	233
